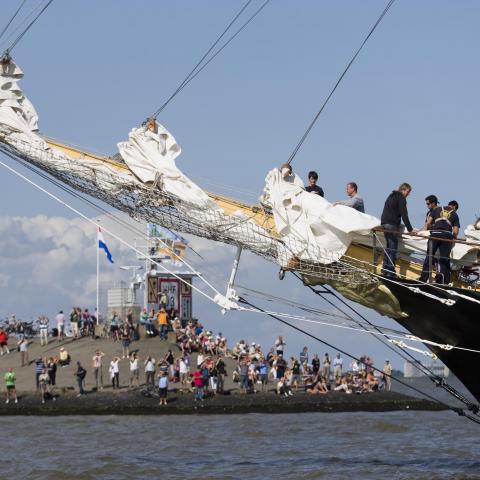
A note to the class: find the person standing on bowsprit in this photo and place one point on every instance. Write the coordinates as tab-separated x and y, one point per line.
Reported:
444	224
312	186
394	211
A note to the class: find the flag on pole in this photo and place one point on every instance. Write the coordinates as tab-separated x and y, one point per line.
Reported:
103	245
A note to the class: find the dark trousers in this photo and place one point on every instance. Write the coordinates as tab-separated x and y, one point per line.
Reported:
163	332
116	380
444	249
390	254
80	385
221	382
149	378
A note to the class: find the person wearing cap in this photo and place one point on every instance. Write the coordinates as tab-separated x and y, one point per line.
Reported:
387	374
312	186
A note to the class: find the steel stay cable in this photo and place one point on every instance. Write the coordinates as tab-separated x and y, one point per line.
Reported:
333	347
304	136
157	112
424	369
101	209
417	363
27	28
403	336
22	22
12	19
85	217
224	45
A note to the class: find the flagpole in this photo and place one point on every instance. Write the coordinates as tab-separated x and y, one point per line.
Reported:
98	277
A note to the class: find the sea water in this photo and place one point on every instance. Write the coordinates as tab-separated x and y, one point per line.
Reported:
396	445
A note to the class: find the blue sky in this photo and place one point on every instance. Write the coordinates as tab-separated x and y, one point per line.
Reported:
407	110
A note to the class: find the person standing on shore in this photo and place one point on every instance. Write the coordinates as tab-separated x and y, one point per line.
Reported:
43	381
74	322
326	367
198	381
98	368
23	349
315	364
134	371
279	345
43	323
337	366
149	372
52	371
387	375
263	371
39	368
115	372
125	341
162	323
184	372
81	373
3	342
10	379
60	319
163	388
221	374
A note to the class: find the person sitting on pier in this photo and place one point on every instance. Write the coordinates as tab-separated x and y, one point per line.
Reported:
64	357
444	226
354	201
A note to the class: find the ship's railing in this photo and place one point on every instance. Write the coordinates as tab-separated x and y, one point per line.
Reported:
473	270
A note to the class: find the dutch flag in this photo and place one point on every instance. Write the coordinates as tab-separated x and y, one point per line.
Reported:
103	246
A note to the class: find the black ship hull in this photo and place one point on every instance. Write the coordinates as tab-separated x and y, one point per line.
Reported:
456	325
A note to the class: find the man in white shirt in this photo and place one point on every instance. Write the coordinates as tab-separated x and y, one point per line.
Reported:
337	366
60	319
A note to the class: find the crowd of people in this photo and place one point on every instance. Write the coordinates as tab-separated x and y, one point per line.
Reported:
196	363
316	376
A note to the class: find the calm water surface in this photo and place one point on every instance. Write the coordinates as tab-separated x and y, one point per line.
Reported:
401	445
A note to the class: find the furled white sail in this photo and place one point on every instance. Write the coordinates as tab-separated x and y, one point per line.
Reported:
151	155
310	225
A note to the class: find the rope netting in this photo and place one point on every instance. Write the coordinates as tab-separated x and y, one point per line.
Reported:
104	180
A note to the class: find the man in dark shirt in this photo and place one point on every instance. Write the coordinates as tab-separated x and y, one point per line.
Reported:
432	202
394	211
312	187
444	224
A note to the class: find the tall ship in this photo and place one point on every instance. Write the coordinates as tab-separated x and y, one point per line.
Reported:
326	245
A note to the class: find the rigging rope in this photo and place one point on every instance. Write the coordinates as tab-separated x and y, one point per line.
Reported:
102	210
197	69
333	347
93	222
26	29
192	71
12	19
312	123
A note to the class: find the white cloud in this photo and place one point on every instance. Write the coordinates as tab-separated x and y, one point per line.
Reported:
48	263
